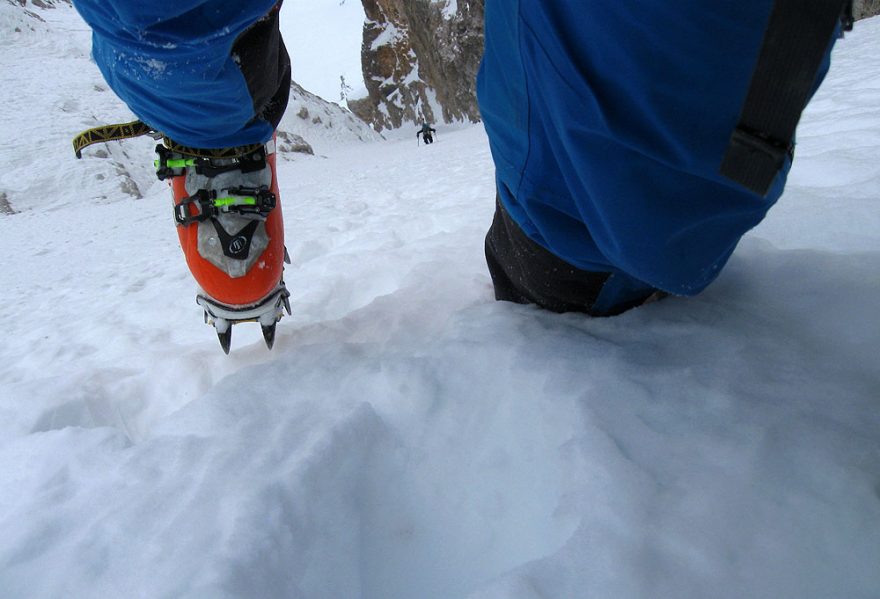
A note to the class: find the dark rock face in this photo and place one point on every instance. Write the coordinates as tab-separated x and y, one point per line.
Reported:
420	60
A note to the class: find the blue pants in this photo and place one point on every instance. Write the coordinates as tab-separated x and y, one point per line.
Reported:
608	122
206	73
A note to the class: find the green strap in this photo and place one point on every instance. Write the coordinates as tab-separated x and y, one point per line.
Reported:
242	201
177	163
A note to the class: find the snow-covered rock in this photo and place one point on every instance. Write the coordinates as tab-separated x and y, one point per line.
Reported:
420	61
319	123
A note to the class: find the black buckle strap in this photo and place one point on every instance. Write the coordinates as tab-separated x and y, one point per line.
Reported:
203	200
253	202
172	163
753	159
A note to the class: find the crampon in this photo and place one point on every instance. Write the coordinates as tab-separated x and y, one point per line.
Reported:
267	313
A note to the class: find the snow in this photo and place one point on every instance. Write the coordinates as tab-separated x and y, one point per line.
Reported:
450	8
409	436
324	124
389	36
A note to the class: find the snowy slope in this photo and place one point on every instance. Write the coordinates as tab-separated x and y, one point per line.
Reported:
408	436
322	123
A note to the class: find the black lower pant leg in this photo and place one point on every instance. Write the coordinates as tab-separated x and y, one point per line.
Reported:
265	64
524	272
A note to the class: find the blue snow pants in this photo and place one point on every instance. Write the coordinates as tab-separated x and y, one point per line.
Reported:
182	68
608	122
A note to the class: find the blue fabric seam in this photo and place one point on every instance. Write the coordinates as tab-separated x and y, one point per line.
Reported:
519	41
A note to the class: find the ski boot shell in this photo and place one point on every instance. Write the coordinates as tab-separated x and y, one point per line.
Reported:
231	231
232	265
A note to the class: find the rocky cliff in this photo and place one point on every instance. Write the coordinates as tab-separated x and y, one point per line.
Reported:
420	60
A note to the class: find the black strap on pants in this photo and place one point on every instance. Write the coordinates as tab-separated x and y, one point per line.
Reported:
795	42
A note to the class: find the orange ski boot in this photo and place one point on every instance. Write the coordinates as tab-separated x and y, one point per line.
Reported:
228	214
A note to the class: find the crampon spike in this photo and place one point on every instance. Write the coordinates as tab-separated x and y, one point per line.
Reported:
269	334
225	339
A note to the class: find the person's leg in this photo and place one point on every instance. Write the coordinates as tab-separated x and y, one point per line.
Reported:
608	123
208	74
213	77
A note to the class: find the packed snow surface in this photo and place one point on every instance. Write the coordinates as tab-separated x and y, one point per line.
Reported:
409	437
